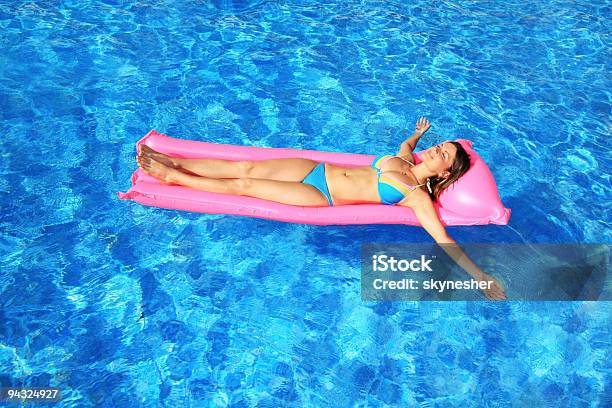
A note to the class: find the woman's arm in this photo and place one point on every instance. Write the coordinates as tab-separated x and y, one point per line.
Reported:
427	216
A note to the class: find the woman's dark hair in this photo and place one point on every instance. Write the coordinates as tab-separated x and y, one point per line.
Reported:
457	169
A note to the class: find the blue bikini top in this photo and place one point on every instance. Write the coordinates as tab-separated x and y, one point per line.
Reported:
390	189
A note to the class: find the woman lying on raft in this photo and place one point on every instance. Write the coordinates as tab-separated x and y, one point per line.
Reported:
305	182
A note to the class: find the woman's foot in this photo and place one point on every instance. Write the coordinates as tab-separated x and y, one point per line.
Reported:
166	160
157	169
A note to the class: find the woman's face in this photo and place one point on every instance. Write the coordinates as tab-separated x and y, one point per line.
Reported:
439	158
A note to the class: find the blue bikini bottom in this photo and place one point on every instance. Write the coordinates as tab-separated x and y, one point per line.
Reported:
316	178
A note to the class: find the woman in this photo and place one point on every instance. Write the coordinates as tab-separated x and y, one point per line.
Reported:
392	180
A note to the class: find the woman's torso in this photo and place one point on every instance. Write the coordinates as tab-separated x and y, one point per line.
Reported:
359	185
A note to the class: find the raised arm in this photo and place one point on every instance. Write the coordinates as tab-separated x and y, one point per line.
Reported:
408	145
427	216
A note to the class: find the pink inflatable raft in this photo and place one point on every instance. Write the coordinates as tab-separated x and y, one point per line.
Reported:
471	200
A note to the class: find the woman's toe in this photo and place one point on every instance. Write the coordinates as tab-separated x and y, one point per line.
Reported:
148	151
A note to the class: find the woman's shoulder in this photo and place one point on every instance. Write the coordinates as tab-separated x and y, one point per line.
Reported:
409	158
416	197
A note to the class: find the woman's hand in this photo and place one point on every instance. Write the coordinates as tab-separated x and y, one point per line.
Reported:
495	291
410	144
422	125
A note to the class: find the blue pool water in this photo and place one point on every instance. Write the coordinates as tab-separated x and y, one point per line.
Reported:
122	305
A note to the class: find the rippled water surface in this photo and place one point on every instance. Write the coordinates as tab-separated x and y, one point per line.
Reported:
123	305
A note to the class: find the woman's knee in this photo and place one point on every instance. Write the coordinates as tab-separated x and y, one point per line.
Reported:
240	186
245	168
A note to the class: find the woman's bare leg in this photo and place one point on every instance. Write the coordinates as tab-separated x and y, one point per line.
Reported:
291	169
285	192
